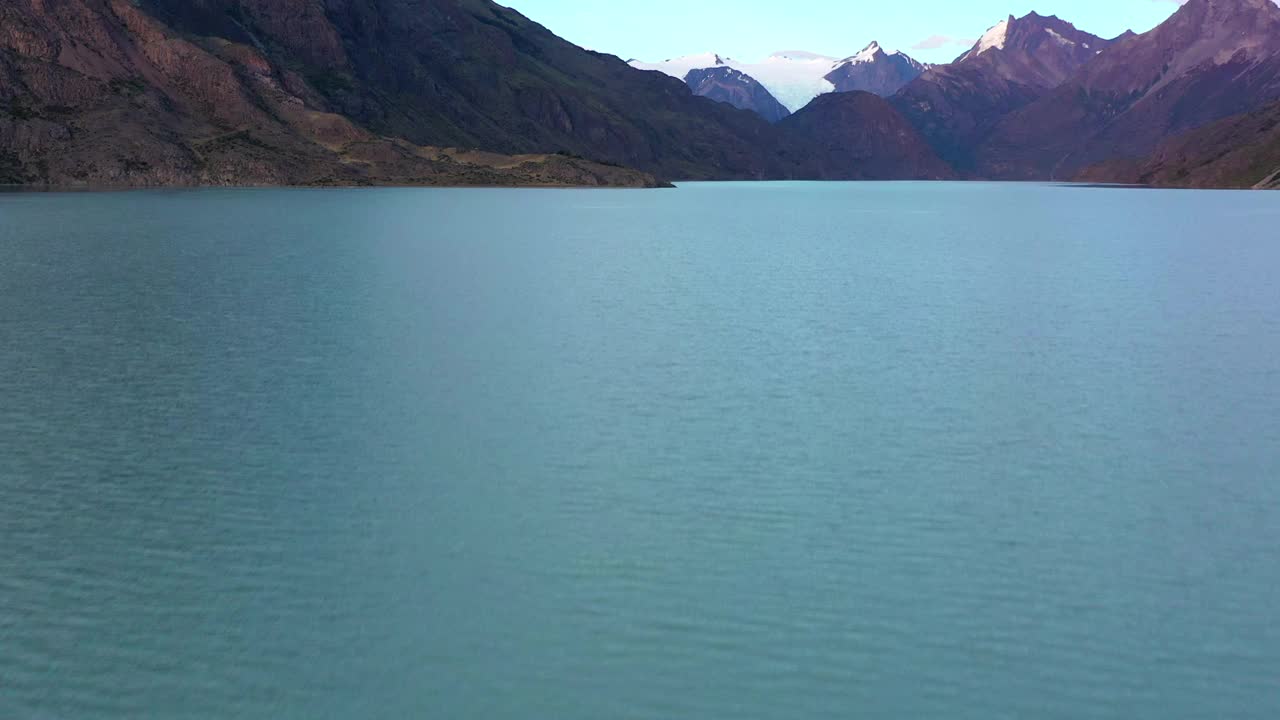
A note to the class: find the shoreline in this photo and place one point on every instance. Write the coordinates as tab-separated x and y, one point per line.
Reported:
672	185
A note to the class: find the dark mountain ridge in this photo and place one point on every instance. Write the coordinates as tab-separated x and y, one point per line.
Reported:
861	136
1242	151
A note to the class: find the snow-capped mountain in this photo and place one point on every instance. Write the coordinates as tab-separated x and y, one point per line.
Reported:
795	77
1035	50
679	67
875	70
1212	59
1017	61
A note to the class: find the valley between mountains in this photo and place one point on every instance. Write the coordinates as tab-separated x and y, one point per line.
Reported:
467	92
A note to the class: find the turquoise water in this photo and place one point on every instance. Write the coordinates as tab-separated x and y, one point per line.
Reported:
731	451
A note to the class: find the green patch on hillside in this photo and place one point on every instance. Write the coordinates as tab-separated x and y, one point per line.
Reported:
127	87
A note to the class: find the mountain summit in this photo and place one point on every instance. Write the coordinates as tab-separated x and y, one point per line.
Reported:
1015	63
875	70
1034	50
1210	60
796	77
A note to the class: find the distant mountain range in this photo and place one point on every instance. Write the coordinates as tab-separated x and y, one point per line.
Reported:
172	92
794	78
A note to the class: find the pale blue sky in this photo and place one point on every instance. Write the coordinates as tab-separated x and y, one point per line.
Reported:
654	30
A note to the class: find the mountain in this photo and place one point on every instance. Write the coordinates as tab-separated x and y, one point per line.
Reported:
337	91
793	77
1212	59
740	90
1242	151
796	77
1034	50
860	136
875	70
97	93
182	92
1015	63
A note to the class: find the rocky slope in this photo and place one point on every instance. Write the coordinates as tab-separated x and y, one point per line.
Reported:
860	136
726	85
180	92
1015	63
97	92
876	71
1242	151
474	74
1210	60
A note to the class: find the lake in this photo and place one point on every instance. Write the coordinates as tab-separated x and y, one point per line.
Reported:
748	451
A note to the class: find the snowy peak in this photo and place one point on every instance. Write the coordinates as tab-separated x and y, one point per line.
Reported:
993	39
793	77
1035	35
875	70
1034	50
868	54
679	67
875	52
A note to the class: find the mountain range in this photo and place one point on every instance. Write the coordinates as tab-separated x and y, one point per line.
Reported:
207	92
794	78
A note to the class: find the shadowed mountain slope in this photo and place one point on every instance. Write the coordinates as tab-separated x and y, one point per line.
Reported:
860	136
98	92
1242	151
471	73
